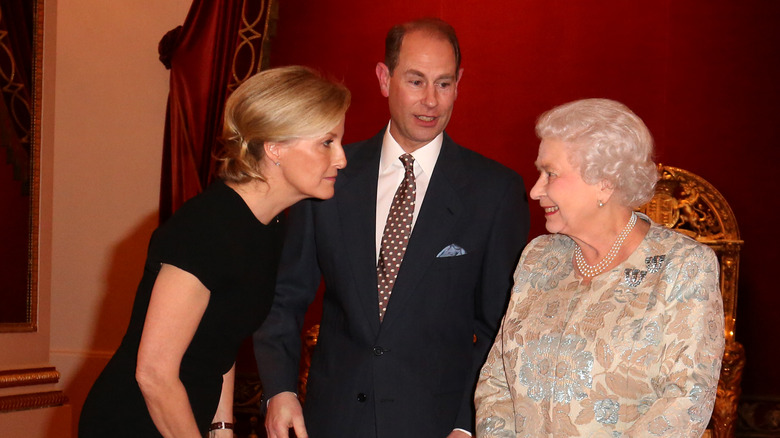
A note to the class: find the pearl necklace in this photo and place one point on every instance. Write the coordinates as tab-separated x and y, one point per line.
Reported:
592	271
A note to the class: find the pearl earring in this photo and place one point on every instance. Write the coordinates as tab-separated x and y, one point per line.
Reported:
601	204
278	163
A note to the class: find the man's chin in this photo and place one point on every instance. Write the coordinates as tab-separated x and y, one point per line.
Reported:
426	135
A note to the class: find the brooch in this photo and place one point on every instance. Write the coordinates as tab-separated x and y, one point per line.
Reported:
633	277
654	263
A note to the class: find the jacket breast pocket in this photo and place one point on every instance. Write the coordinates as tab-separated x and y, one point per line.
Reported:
453	262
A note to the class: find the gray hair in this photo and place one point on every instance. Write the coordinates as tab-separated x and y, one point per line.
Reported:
609	143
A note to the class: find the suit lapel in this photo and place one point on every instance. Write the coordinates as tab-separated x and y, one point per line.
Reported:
357	213
440	211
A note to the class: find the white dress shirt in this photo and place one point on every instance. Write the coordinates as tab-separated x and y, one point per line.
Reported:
391	173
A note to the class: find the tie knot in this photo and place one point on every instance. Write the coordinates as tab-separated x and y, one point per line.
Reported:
408	161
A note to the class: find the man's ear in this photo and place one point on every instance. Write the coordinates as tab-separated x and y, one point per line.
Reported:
383	75
457	80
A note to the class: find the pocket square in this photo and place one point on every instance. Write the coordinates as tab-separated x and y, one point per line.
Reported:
451	250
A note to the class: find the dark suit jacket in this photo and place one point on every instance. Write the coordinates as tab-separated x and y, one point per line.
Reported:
414	374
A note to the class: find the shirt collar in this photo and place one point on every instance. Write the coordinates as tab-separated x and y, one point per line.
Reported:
425	156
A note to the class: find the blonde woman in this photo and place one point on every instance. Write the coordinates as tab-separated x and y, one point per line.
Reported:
209	277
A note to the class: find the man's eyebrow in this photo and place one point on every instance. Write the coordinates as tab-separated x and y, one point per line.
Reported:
418	73
414	73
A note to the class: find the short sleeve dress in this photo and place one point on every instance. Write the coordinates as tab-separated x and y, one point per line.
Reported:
217	238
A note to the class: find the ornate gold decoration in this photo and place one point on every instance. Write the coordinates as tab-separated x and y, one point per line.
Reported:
759	416
26	377
309	341
687	203
35	400
258	21
16	102
247	401
724	415
248	393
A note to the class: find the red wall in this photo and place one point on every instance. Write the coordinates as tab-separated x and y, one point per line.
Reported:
703	74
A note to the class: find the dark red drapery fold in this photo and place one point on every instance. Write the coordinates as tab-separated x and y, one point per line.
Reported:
207	57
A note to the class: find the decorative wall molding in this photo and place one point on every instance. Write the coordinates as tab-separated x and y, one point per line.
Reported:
27	377
35	400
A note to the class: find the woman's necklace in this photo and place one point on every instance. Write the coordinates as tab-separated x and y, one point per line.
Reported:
592	271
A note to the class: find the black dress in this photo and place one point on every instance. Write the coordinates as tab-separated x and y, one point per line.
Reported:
215	237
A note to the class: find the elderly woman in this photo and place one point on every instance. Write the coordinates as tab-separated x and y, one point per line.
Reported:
210	272
615	324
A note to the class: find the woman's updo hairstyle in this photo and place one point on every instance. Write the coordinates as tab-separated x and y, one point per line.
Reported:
276	105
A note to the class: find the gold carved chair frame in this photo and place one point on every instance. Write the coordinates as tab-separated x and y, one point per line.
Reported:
687	203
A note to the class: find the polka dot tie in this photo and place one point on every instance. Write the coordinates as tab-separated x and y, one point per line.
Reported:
396	234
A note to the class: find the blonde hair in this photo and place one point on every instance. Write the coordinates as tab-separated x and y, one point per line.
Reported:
609	142
276	105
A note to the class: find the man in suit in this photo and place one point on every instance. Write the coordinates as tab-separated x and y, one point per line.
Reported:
406	367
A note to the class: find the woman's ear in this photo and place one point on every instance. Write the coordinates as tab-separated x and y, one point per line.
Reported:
607	189
273	151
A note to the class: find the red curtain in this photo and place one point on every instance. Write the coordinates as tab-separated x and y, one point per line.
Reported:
221	43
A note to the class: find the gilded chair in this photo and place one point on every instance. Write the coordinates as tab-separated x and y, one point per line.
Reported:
686	203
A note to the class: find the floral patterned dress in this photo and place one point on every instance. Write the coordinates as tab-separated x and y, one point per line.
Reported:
635	353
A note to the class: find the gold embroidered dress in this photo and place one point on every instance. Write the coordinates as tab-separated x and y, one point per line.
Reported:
635	353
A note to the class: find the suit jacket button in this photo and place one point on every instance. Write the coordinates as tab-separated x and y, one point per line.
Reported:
361	397
378	351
